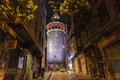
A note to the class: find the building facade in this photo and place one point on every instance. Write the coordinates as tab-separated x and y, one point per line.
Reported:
99	39
23	44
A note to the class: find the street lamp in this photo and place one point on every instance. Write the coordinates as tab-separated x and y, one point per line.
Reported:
54	61
63	46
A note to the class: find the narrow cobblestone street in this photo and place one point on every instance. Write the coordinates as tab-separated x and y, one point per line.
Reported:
67	76
59	39
57	75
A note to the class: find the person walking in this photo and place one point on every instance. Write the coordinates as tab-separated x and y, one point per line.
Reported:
42	72
34	70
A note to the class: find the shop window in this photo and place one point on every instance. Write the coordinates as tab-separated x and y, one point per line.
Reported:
21	62
40	37
80	64
36	25
103	13
42	42
94	1
115	66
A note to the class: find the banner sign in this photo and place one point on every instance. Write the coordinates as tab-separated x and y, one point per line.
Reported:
111	39
11	44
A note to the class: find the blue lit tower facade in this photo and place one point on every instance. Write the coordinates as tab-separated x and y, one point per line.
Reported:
56	41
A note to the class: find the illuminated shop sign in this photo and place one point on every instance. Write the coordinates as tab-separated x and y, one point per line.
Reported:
11	44
71	56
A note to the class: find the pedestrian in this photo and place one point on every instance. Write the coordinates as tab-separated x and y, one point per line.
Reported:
34	70
42	72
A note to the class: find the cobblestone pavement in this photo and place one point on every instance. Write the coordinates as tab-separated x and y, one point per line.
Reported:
57	75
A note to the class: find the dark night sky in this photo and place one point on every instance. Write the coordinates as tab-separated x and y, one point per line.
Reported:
63	18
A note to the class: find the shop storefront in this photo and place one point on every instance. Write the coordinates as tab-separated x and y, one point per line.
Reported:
82	68
113	57
82	63
3	54
94	62
110	46
71	62
8	52
75	66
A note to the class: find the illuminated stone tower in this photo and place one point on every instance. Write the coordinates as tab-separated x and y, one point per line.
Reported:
56	41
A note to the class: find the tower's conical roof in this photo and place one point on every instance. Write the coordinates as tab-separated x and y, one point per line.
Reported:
55	16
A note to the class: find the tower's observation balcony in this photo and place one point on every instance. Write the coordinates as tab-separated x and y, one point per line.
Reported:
55	25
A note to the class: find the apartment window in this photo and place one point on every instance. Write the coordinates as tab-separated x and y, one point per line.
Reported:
118	4
42	42
103	13
92	1
0	1
36	24
78	41
80	65
40	37
78	44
